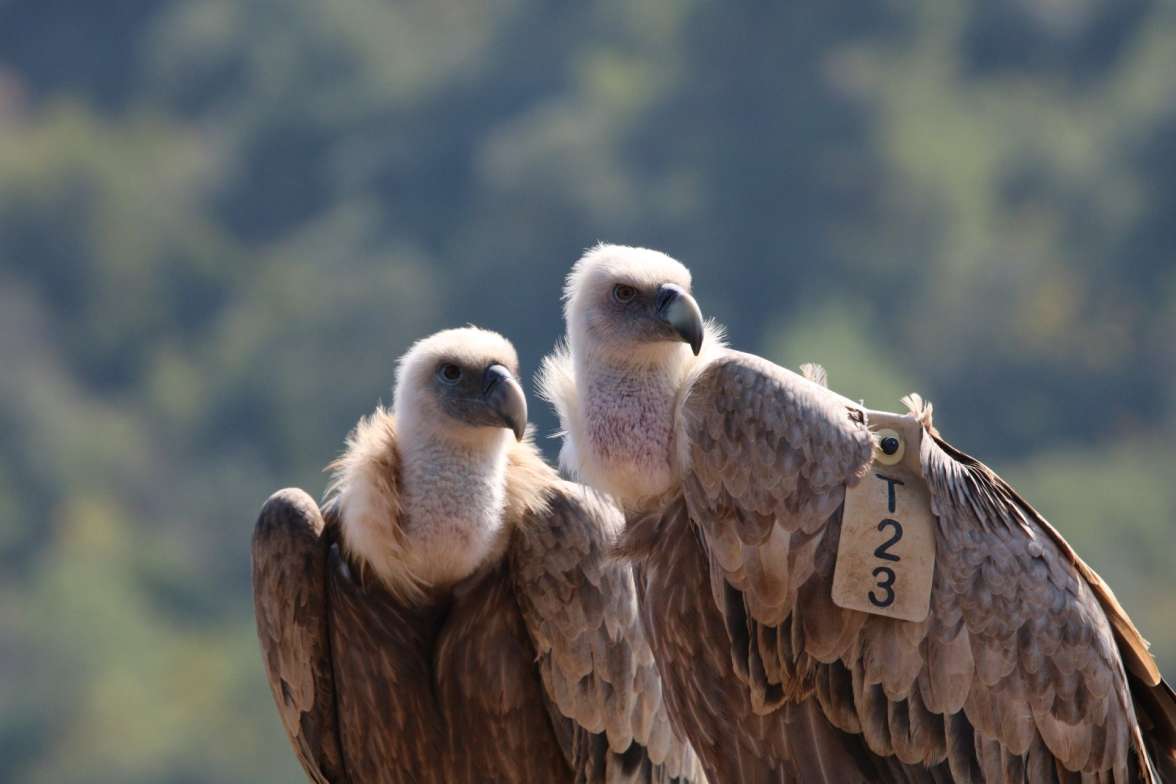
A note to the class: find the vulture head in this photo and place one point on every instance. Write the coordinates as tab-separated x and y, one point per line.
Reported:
634	335
631	302
460	385
421	489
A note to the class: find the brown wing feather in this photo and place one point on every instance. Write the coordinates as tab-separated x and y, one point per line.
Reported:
1156	706
1133	646
289	598
1094	635
1031	641
1017	666
1154	700
498	725
580	608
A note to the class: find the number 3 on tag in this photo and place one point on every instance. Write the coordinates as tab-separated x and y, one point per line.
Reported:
886	558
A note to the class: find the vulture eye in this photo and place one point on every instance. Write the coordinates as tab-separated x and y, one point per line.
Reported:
624	294
890	447
449	373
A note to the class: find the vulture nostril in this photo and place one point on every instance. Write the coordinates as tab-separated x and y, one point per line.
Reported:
491	377
665	297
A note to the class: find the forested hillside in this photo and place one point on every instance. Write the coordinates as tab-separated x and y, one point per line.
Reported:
221	222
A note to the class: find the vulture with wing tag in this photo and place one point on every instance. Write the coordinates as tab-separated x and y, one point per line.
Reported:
453	615
834	594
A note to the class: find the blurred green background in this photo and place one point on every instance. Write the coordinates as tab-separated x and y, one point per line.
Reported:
221	221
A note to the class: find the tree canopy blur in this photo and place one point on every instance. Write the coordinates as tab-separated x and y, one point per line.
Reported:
221	222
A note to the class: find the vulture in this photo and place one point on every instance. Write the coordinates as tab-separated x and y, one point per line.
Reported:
451	614
832	593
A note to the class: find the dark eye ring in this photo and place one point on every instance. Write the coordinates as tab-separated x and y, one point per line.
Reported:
449	373
624	294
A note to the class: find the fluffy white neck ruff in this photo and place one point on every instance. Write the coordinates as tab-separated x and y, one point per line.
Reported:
420	506
619	414
453	492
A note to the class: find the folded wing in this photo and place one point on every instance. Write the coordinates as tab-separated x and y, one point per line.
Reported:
1018	671
580	608
290	602
348	664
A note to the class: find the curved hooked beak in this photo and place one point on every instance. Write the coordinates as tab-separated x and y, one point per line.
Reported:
677	308
503	395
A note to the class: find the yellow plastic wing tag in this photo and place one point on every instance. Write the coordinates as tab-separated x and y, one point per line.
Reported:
886	557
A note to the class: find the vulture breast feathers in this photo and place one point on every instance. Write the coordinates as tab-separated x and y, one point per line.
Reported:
532	668
1025	668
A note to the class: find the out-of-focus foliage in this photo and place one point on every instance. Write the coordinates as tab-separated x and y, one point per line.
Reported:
220	222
